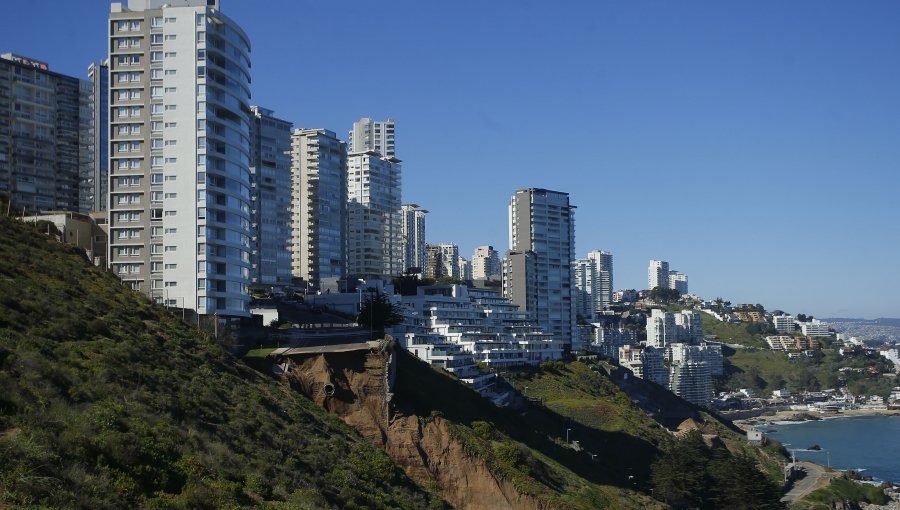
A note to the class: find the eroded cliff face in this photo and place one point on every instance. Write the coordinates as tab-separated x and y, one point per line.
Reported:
359	393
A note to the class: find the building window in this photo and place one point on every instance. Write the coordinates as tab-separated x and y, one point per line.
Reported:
156	74
156	56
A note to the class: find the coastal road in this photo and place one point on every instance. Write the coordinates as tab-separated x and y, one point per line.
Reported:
816	478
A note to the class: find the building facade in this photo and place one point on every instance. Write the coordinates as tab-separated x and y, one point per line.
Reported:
94	191
180	200
375	233
679	282
486	264
40	130
542	222
658	274
319	213
270	177
413	219
370	135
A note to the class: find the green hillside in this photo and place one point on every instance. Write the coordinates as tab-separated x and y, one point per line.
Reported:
110	402
626	455
756	366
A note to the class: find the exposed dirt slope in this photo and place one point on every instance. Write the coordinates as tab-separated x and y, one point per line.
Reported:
425	448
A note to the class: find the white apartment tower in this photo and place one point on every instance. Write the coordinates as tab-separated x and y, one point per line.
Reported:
465	269
678	281
375	233
593	283
603	260
319	213
542	222
658	274
270	176
179	198
369	135
486	264
413	219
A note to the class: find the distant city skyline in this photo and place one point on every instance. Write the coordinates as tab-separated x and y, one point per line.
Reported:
753	146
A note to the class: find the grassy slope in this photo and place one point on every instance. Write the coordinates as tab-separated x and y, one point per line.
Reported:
109	402
839	491
527	448
765	370
574	388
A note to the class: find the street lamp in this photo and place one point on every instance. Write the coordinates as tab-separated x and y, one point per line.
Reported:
567	435
359	289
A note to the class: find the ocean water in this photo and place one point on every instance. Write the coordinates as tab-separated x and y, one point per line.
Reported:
871	443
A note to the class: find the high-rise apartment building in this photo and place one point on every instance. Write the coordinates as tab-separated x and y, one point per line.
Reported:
442	261
678	281
665	328
413	219
691	380
542	222
375	233
270	178
486	264
319	225
658	274
603	291
40	125
94	186
180	199
593	283
369	135
465	269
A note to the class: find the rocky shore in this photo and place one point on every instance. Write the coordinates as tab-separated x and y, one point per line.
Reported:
812	416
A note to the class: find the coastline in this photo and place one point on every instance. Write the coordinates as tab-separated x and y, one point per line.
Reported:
803	416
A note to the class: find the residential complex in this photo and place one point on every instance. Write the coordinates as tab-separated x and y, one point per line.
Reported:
40	126
783	323
664	328
484	323
319	208
270	178
541	222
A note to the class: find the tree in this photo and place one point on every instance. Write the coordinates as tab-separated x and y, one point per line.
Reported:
377	313
663	295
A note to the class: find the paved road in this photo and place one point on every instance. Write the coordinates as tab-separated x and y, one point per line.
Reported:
816	478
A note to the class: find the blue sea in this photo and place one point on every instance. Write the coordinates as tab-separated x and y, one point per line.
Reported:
871	443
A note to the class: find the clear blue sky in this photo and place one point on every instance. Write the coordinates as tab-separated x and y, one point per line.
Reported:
753	145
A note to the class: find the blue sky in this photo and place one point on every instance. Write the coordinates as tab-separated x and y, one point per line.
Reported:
753	145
